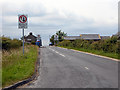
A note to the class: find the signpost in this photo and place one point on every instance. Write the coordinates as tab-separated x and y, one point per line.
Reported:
22	24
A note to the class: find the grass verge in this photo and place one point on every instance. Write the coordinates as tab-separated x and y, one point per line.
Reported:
111	55
16	67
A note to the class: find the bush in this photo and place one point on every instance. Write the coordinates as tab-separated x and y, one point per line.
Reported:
33	42
95	46
64	43
109	45
8	43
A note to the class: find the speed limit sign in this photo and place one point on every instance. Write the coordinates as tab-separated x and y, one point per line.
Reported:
22	21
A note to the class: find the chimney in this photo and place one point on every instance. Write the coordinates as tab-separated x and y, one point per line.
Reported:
30	33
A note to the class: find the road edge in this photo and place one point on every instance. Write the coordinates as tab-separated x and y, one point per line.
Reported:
33	77
94	54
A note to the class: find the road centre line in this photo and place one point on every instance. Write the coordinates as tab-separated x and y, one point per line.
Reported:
53	50
62	55
87	68
57	52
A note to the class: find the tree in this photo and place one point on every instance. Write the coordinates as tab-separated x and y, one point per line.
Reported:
52	39
61	35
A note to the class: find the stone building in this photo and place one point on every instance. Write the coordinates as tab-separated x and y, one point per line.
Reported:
30	38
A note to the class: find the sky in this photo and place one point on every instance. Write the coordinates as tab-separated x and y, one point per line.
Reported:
45	17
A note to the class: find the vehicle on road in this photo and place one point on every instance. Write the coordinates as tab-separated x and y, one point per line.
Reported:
50	44
39	43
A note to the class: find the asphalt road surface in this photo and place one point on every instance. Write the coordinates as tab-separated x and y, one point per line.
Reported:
65	68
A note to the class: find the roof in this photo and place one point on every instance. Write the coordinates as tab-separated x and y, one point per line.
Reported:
90	36
71	37
30	36
117	34
105	37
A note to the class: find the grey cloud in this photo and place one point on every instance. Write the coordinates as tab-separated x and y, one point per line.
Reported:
55	20
9	9
102	30
50	22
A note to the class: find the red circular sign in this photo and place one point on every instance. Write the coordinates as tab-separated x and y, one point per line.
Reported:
22	19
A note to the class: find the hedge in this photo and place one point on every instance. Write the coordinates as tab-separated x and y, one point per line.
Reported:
108	45
8	43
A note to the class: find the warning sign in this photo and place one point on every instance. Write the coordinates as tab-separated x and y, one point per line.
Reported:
22	21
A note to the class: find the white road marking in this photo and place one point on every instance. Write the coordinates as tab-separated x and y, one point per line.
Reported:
87	68
53	50
62	55
57	52
95	55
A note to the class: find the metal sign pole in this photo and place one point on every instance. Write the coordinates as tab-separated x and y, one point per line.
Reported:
23	41
22	24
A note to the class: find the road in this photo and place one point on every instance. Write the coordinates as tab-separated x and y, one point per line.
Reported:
65	68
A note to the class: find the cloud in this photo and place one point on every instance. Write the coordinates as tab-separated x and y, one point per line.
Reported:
72	16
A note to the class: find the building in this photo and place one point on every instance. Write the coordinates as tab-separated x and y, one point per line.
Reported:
90	36
84	36
105	37
72	38
30	38
117	34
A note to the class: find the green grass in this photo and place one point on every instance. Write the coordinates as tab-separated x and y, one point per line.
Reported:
0	69
111	55
0	78
16	67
